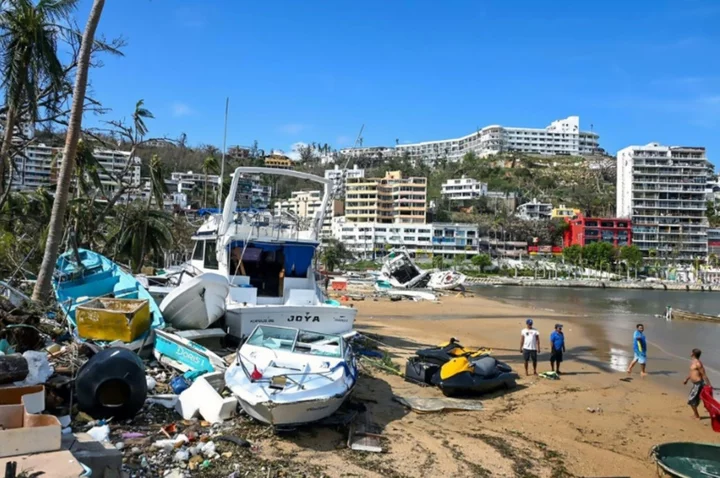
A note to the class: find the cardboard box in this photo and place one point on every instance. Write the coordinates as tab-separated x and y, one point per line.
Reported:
22	432
56	464
32	396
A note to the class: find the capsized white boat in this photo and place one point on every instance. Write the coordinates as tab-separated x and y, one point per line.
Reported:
410	294
401	271
446	280
286	376
197	303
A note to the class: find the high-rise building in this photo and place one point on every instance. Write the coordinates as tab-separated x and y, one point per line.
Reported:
561	137
392	199
339	177
662	188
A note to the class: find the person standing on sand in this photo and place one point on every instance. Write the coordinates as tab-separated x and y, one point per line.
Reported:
530	345
699	379
640	350
557	347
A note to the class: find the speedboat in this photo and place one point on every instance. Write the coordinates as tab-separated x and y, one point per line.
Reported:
268	262
285	376
82	275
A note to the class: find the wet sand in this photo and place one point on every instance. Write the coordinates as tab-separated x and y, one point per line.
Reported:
543	428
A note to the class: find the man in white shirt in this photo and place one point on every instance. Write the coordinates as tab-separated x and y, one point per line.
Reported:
530	345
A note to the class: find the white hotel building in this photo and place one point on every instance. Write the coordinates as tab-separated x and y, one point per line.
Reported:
339	177
663	190
36	168
561	137
463	189
370	240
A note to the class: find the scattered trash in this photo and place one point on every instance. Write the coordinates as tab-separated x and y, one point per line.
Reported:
203	398
150	382
594	410
112	384
182	456
550	375
167	401
179	384
39	368
101	433
131	435
427	405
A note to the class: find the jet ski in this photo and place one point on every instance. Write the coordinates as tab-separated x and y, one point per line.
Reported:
447	351
474	375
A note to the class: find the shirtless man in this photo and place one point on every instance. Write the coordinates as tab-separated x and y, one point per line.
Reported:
699	379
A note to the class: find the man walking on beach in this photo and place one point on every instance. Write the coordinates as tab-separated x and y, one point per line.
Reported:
557	347
530	345
640	350
699	379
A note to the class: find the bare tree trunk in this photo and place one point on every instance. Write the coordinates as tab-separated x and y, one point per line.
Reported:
57	219
6	145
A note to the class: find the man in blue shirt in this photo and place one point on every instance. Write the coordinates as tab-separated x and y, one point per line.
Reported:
639	349
557	344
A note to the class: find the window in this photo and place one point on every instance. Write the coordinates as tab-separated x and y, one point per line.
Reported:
210	255
198	251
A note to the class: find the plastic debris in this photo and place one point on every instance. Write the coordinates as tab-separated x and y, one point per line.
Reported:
120	445
150	382
131	435
39	368
101	433
167	401
208	450
181	456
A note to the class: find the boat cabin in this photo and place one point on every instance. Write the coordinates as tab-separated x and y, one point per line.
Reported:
272	272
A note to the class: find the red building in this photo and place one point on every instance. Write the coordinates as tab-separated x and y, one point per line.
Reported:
586	230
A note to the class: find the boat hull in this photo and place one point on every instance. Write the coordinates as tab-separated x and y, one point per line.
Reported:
242	320
446	280
688	460
678	314
297	413
196	304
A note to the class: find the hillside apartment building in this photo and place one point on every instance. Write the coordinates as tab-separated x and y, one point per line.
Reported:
387	200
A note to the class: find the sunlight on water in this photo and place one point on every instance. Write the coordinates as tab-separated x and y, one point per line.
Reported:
619	359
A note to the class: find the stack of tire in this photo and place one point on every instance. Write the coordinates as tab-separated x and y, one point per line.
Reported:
459	371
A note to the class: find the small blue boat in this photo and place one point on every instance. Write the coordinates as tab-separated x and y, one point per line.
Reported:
96	276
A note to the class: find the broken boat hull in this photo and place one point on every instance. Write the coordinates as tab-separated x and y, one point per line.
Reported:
298	413
196	304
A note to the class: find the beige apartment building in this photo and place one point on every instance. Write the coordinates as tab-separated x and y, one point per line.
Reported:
390	200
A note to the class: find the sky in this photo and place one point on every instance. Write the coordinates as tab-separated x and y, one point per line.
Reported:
315	71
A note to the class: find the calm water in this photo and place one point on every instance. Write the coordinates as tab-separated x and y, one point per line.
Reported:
610	316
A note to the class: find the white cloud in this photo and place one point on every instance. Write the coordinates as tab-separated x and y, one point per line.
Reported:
293	128
181	109
295	148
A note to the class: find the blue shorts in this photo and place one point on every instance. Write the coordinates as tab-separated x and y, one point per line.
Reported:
641	358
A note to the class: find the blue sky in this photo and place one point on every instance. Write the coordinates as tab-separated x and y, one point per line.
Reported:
638	71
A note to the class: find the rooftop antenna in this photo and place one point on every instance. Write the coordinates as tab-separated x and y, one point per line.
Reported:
222	163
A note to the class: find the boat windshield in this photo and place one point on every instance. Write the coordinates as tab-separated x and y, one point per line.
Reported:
298	341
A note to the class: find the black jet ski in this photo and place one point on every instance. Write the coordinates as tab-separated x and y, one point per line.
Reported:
447	351
471	376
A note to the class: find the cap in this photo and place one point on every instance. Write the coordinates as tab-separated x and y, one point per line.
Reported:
529	321
558	326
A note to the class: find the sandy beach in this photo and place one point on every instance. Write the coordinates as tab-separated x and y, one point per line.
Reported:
542	428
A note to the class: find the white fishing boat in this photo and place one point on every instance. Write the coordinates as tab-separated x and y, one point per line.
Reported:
197	303
268	262
287	376
401	272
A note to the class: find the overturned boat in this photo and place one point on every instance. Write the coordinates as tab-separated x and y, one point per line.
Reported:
401	271
197	303
688	460
285	376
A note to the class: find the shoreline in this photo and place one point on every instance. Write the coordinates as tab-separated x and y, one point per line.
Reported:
591	422
590	284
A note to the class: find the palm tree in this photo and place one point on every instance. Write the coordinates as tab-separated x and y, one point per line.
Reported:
139	116
143	230
209	165
55	232
157	189
29	44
